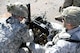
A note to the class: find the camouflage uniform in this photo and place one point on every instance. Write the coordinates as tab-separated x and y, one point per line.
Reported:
12	35
68	3
68	41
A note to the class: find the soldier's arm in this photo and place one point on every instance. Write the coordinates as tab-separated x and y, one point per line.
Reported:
27	36
61	47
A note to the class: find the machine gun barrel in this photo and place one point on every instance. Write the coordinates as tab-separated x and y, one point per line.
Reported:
29	13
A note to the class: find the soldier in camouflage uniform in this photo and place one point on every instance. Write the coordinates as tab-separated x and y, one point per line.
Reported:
68	40
13	32
68	3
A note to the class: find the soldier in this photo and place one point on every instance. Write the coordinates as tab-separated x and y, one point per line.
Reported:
13	32
68	3
68	40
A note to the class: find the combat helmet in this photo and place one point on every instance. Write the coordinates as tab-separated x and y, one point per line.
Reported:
71	15
18	9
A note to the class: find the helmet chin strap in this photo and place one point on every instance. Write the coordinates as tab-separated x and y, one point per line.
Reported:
23	21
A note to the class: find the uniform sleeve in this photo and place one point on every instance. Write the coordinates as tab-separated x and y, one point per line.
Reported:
67	3
60	47
27	37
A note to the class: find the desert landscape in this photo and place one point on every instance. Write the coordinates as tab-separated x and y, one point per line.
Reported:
38	8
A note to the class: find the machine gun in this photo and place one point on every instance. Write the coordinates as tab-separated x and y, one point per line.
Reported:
40	27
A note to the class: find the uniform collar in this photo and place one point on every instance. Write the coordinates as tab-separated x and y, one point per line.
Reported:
73	30
12	20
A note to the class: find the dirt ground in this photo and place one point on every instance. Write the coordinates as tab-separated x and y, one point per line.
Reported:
38	8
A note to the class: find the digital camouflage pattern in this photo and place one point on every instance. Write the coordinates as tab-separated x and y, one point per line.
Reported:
12	34
61	45
18	9
71	15
68	3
